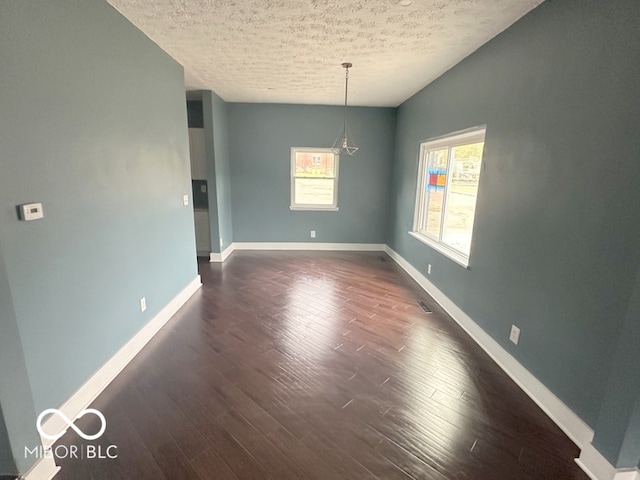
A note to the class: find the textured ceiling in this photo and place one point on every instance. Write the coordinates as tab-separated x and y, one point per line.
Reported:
291	51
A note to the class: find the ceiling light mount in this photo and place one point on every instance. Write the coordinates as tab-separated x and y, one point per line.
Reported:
341	143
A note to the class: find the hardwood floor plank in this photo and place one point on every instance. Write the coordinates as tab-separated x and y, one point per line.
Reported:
269	457
210	465
173	462
316	366
342	462
134	459
305	460
237	458
409	463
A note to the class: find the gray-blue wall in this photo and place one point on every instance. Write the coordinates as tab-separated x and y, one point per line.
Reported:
260	141
223	170
7	463
210	160
218	170
17	414
94	126
555	247
617	431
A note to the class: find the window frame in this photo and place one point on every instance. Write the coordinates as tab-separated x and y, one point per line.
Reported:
451	140
313	207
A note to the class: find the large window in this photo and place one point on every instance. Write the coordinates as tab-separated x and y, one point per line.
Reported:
449	173
314	179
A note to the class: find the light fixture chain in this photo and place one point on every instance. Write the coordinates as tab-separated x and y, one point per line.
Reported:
346	91
341	144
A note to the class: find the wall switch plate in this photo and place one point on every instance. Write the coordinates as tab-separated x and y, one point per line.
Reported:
143	304
429	269
30	211
185	200
313	234
221	243
514	336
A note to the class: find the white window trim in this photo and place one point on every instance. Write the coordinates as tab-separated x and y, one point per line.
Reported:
317	208
451	140
454	255
312	207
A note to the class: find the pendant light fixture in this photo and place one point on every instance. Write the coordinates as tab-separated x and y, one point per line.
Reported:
341	143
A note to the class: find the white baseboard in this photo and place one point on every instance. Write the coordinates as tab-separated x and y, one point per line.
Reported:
44	469
627	475
575	428
88	392
221	257
351	247
227	251
594	464
598	468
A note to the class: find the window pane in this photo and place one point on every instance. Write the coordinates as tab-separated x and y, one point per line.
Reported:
435	183
447	191
461	199
314	191
315	164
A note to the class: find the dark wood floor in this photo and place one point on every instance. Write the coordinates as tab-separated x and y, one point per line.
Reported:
299	365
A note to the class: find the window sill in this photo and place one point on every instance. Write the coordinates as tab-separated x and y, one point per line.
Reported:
447	252
314	209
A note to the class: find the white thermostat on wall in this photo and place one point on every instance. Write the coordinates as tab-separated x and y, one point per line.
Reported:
30	211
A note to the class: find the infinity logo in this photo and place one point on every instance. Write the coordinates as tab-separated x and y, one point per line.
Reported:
70	423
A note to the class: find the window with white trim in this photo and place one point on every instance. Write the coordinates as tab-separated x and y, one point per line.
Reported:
314	179
448	178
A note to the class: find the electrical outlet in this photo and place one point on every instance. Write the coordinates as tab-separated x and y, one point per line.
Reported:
185	200
221	243
514	336
143	304
429	269
313	234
